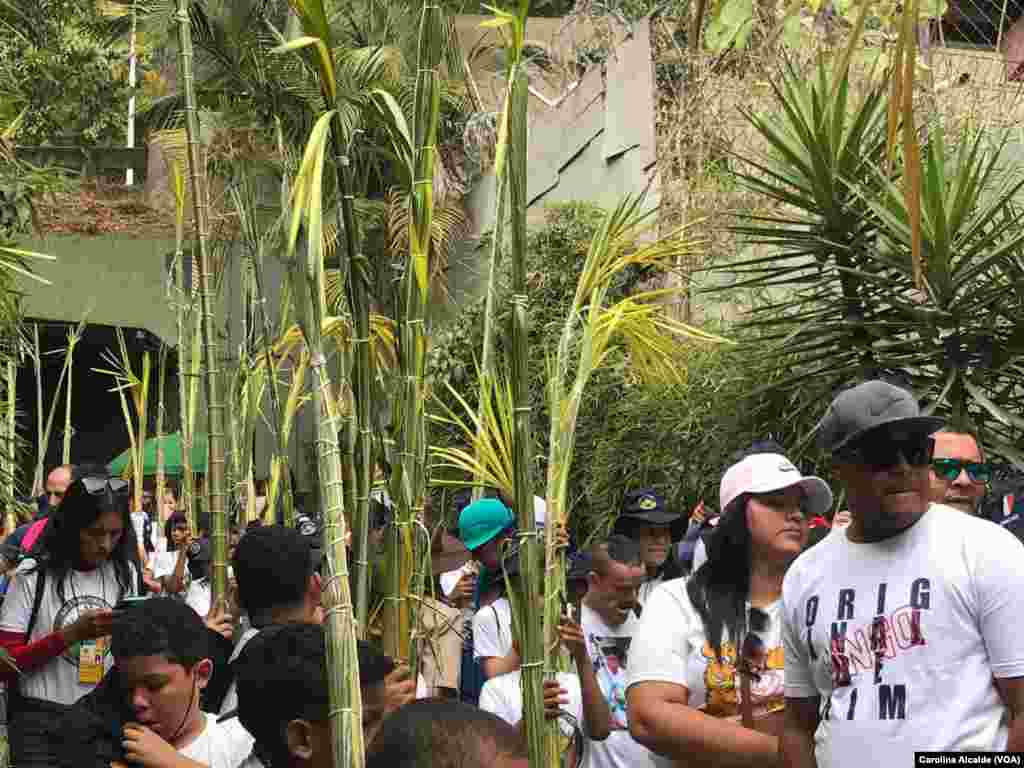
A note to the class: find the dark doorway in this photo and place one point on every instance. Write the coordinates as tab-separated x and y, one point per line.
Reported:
99	432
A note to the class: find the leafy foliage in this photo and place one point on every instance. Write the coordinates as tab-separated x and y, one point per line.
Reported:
57	71
839	239
675	436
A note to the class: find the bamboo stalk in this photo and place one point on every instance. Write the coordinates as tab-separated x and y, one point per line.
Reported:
359	437
10	444
215	423
37	478
161	475
342	659
69	362
408	482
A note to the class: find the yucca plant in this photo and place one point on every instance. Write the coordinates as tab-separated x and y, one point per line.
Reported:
877	284
203	279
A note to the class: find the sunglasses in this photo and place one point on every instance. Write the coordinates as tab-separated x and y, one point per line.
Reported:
950	469
882	451
96	485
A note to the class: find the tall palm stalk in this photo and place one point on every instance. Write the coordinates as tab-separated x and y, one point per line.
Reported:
308	290
201	270
406	550
355	367
245	204
636	325
161	474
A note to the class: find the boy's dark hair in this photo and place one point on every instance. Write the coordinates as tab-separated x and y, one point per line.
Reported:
282	676
617	548
161	626
437	733
272	566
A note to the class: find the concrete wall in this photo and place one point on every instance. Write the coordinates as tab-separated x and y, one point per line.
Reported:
596	144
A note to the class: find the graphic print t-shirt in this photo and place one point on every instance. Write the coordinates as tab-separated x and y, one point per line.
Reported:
57	680
902	638
611	651
671	646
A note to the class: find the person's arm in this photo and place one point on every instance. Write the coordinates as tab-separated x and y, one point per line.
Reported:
175	583
493	666
28	656
999	591
658	700
801	721
597	716
1012	692
661	720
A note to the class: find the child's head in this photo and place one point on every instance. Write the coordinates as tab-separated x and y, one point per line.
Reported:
161	650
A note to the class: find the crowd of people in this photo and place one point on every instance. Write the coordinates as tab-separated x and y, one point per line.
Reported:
788	628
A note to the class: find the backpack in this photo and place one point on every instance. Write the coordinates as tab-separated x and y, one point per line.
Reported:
471	673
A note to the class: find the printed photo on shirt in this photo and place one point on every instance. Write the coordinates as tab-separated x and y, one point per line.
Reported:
722	679
611	657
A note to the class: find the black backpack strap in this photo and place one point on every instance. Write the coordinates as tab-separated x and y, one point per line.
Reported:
37	601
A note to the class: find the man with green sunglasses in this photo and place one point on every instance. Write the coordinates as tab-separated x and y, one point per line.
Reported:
959	474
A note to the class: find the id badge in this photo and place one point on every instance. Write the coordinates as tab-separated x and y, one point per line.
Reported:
90	661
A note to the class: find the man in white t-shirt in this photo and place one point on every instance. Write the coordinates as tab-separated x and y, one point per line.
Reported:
609	620
901	632
160	649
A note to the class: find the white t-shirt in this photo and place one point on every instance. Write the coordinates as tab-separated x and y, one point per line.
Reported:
503	696
647	588
609	649
199	597
139	524
492	630
231	697
220	745
164	564
671	646
57	680
942	604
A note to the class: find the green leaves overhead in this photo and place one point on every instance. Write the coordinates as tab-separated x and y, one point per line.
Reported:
838	237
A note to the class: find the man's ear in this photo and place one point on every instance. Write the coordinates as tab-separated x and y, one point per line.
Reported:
202	671
298	735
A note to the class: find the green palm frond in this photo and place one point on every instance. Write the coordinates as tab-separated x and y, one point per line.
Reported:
488	435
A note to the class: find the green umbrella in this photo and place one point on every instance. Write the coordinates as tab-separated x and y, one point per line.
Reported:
173	465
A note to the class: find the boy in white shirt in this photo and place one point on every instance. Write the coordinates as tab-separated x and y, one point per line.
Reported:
577	694
160	649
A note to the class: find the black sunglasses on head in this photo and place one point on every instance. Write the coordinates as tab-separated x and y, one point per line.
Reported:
97	484
887	449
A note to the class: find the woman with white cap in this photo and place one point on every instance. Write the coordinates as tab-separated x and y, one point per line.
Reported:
706	666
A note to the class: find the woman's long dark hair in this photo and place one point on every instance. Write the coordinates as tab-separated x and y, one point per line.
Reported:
60	548
720	588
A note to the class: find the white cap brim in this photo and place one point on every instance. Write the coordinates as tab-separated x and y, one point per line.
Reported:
770	472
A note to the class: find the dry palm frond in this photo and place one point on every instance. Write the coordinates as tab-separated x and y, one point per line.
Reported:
449	226
382	340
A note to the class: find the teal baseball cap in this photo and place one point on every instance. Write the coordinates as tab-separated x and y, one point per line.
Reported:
482	520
